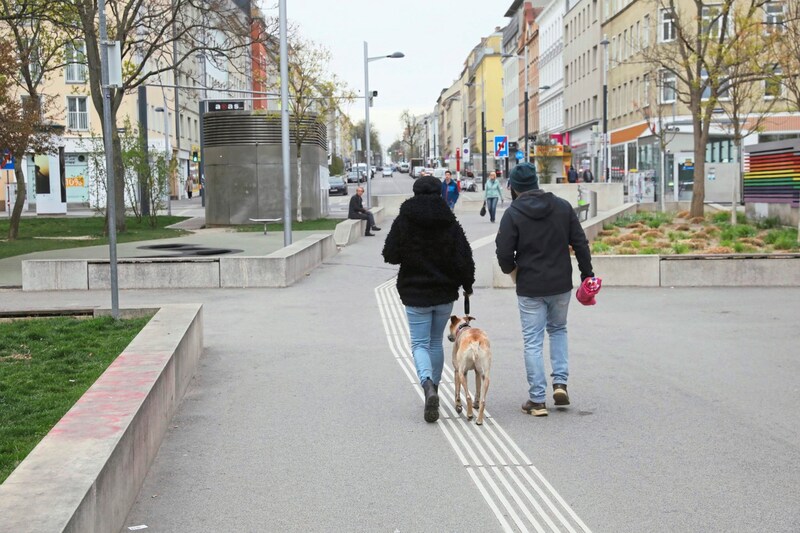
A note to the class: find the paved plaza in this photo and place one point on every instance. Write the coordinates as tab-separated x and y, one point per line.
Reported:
304	414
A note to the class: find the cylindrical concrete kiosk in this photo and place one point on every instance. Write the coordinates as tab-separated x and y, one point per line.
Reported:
243	168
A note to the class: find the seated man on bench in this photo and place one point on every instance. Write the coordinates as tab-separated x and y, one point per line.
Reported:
357	212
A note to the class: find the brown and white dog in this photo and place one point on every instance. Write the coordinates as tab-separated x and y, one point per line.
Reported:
471	351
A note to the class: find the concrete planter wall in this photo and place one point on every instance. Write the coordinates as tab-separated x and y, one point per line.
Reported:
281	268
684	271
85	474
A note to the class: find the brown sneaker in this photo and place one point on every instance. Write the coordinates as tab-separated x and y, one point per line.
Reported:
535	409
560	396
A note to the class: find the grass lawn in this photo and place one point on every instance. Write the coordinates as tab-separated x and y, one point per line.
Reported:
57	233
320	224
45	366
677	233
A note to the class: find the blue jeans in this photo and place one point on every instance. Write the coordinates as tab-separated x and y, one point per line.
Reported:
535	314
426	325
491	206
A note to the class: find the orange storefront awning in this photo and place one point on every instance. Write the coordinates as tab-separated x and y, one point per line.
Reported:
628	134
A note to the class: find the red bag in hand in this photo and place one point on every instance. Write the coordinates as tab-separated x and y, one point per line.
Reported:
587	291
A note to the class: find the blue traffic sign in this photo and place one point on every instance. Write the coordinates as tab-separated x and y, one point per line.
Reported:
501	146
520	155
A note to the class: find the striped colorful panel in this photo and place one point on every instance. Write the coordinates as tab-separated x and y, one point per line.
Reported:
773	176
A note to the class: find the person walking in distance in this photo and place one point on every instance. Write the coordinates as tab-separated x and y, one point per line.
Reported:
189	187
494	192
588	177
357	212
450	190
435	259
533	243
572	175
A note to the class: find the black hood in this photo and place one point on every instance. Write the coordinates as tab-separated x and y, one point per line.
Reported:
535	204
427	210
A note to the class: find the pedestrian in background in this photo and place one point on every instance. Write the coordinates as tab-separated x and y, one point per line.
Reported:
588	177
493	193
356	211
435	259
572	175
189	187
533	243
450	190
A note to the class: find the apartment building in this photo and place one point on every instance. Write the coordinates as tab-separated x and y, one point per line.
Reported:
583	82
171	128
644	106
451	103
529	49
511	72
551	70
485	98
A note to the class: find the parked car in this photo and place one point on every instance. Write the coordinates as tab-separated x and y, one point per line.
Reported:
468	184
426	172
439	172
356	176
403	168
387	172
337	185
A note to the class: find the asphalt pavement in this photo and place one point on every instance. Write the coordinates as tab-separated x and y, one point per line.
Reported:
304	416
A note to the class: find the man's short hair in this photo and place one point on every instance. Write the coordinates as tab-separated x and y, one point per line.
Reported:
360	189
448	172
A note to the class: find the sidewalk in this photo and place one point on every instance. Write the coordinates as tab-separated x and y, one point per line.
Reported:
303	415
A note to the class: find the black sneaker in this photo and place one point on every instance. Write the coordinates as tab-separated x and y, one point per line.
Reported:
431	412
369	235
560	396
375	228
535	409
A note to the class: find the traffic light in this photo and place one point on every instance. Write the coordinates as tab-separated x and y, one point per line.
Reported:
195	157
512	148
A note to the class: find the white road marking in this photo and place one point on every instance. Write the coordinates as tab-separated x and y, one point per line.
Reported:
506	474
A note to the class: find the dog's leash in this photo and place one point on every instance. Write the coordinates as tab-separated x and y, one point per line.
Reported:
466	304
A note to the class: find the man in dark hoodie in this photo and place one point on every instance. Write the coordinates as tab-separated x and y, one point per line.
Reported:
533	243
435	259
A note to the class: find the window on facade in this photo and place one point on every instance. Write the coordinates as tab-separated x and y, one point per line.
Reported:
646	31
772	84
646	90
667	87
721	151
77	113
712	20
75	59
625	45
774	16
667	25
724	88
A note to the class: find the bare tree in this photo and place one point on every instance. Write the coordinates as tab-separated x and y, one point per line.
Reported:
313	94
745	102
412	130
29	54
695	40
146	30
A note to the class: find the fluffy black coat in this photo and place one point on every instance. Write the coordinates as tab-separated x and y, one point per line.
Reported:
432	250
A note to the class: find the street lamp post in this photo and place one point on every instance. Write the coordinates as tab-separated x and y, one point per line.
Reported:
367	102
167	157
605	144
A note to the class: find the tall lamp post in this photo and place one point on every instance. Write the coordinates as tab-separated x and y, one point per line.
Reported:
527	99
167	157
367	102
605	144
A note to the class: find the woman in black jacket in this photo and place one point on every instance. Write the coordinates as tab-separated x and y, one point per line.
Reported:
435	259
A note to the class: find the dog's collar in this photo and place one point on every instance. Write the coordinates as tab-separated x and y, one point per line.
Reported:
463	325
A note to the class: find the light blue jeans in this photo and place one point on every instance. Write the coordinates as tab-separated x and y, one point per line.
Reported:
536	314
426	325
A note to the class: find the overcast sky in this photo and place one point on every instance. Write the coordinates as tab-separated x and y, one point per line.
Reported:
435	36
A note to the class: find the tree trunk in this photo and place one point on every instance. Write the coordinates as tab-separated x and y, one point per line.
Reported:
19	202
298	160
699	184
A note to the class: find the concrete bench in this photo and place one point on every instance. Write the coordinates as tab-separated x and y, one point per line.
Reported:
582	210
350	230
265	221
